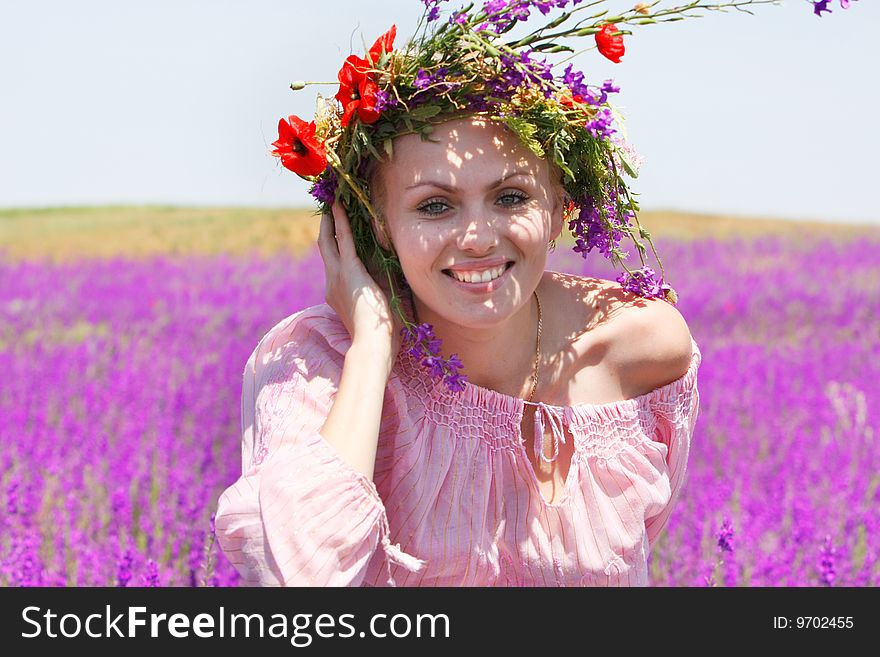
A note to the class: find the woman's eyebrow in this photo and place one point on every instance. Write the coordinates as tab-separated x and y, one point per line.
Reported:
443	186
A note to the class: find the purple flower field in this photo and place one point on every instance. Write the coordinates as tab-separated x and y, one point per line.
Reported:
119	412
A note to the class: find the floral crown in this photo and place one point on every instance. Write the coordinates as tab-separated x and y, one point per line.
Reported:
470	65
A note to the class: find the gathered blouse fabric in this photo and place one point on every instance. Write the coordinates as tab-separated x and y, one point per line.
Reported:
454	500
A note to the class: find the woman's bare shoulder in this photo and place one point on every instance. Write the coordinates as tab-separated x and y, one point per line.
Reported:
641	343
652	343
588	303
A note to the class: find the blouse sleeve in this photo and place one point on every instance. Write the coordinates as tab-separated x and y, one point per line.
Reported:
675	408
299	515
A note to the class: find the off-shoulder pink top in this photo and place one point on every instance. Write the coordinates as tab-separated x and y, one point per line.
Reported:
454	500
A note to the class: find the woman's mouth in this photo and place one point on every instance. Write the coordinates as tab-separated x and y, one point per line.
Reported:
484	280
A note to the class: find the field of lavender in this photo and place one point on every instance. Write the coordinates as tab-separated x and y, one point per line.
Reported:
119	411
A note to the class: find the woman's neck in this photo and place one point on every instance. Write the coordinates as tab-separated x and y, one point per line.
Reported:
501	357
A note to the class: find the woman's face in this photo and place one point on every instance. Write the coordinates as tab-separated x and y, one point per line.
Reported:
476	204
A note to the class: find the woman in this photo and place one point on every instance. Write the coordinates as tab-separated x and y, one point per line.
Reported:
360	470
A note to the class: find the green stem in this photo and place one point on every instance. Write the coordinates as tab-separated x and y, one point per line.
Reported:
634	17
296	85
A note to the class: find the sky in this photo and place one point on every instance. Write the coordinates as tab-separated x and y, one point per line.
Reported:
108	102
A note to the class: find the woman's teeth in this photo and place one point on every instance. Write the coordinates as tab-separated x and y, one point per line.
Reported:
478	277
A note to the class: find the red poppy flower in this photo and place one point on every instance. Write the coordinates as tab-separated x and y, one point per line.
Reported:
357	88
298	148
384	42
357	91
610	46
571	101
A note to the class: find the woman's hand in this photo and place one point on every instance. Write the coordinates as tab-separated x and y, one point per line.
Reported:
360	300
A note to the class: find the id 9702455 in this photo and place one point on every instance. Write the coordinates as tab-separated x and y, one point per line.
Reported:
813	622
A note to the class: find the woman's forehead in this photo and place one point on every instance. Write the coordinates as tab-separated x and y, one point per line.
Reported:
464	147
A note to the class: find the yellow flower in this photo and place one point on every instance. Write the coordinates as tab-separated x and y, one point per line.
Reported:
643	8
326	119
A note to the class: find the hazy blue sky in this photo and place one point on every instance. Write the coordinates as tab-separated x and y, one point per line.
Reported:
177	102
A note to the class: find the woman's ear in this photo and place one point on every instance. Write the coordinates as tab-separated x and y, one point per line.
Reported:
557	218
380	231
375	191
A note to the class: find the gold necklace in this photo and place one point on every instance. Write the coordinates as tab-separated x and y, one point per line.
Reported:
537	351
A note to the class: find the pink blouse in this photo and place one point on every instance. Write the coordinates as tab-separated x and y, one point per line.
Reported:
454	500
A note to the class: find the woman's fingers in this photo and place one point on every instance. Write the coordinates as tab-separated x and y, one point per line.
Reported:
344	239
326	240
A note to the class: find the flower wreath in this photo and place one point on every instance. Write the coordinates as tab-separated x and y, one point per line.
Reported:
466	66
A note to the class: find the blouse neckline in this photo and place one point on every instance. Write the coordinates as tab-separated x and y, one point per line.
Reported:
475	395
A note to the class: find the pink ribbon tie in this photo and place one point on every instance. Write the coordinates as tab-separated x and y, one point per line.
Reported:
556	428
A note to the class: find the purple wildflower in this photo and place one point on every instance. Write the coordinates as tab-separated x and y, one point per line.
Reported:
511	77
497	11
503	14
521	71
725	536
384	100
423	79
601	124
123	572
151	577
826	562
822	5
590	231
574	80
536	71
433	9
609	87
520	11
421	344
494	6
324	189
644	283
477	103
12	498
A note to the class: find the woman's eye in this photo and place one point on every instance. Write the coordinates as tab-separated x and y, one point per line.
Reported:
432	207
507	200
510	199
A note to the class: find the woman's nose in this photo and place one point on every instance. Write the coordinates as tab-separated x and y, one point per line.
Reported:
477	233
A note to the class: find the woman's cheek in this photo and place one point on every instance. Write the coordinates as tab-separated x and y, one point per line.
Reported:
527	229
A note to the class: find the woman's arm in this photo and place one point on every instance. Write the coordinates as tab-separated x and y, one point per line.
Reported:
352	426
299	514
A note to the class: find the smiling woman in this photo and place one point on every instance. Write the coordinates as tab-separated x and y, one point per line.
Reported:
455	414
471	203
573	422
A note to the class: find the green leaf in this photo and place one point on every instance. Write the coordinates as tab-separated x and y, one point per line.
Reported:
525	130
559	21
426	133
552	47
425	112
628	166
389	147
372	150
561	163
